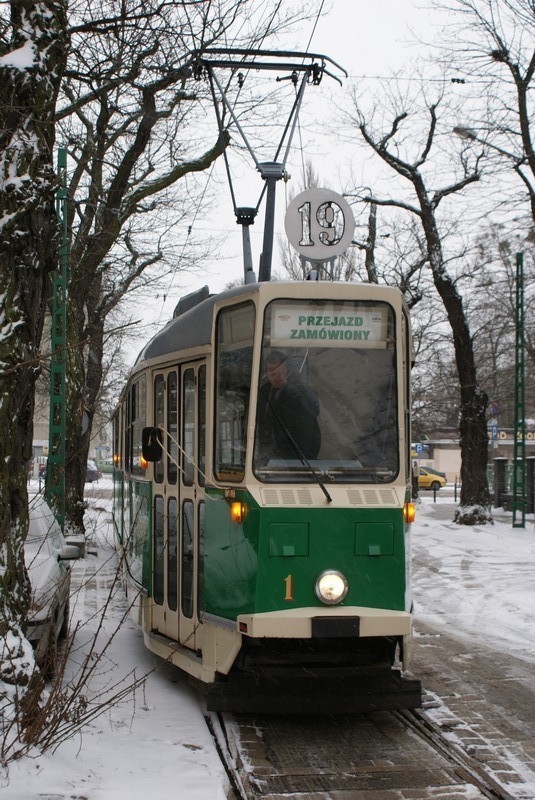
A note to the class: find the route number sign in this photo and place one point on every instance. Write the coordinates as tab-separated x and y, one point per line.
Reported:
319	224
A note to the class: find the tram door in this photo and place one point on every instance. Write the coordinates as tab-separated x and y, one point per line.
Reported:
179	409
193	440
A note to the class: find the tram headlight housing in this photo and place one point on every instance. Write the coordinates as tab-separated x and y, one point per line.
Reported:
238	511
331	587
409	513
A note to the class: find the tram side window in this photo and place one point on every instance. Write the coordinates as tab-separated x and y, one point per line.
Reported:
202	425
200	561
235	333
187	559
117	422
188	428
172	427
172	554
407	362
136	421
158	420
158	554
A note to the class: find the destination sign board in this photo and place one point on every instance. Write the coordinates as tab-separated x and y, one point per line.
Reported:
329	325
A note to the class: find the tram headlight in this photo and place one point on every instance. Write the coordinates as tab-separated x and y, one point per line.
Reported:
331	587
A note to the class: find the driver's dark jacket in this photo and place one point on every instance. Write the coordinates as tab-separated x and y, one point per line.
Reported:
292	410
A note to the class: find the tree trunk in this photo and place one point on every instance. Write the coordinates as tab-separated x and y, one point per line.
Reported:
474	505
85	379
27	255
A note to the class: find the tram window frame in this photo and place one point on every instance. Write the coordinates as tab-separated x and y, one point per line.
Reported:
135	422
311	368
235	335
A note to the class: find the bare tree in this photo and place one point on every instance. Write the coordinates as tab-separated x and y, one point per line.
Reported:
493	313
33	48
492	48
475	505
134	120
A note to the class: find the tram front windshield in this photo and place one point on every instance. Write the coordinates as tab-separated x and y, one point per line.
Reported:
327	394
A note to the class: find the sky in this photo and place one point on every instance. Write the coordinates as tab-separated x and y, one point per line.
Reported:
157	744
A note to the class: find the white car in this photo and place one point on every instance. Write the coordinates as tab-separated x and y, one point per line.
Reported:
47	557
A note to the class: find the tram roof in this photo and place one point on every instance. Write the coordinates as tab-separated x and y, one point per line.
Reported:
190	328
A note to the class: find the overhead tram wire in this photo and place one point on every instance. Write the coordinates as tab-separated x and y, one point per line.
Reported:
307	48
300	134
189	230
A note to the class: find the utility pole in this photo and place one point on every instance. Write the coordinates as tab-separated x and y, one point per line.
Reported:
519	447
55	478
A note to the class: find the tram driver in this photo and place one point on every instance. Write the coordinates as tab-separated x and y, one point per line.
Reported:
287	424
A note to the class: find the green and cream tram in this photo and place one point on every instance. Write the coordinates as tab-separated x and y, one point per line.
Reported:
262	496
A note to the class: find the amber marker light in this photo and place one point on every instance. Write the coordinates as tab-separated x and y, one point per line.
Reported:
409	512
143	463
238	511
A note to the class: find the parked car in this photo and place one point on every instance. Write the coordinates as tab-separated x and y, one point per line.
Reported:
92	472
47	557
430	478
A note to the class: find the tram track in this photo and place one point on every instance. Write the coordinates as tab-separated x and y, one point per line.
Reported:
228	754
421	724
254	754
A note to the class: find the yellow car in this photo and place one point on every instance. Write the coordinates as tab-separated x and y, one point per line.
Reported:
430	479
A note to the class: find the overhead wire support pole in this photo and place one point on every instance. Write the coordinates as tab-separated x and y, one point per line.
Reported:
519	445
55	478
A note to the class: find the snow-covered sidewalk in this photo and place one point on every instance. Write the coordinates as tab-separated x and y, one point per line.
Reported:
476	580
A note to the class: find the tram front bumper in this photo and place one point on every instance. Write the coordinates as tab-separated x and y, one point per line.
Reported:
312	622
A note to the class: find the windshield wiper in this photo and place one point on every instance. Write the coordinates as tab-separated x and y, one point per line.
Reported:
302	457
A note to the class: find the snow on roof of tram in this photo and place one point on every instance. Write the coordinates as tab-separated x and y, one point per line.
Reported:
191	324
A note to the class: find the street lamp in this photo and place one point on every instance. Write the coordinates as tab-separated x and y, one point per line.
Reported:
468	133
465	133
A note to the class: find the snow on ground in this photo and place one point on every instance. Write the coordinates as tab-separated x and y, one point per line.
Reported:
477	580
155	742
